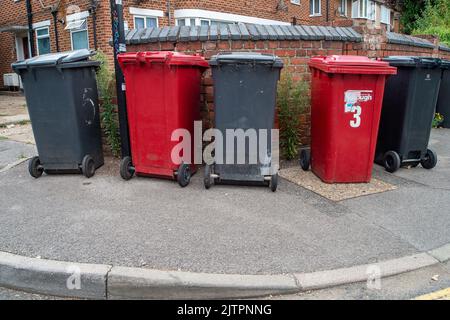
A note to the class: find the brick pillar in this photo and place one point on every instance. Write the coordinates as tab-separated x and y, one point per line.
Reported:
374	36
435	40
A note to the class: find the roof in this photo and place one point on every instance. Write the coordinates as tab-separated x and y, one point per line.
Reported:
397	38
241	32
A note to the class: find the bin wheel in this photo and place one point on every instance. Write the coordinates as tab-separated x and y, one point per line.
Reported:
207	181
88	166
273	182
184	175
305	159
430	160
34	167
391	161
126	168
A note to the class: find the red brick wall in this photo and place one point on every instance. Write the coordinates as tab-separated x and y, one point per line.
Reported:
295	55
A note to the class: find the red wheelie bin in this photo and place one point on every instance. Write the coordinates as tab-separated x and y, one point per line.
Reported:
346	99
163	94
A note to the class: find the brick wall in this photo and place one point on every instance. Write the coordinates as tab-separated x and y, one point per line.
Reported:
295	55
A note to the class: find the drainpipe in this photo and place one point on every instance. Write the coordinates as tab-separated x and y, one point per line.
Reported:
30	28
55	23
328	11
93	10
118	40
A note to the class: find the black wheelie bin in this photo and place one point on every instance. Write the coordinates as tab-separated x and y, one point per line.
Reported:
245	86
443	104
62	100
408	109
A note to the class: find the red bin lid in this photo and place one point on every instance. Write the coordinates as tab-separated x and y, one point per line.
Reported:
167	57
351	64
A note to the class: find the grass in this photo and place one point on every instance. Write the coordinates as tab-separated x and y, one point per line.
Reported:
3	138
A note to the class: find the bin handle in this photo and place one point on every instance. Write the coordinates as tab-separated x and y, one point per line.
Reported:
432	62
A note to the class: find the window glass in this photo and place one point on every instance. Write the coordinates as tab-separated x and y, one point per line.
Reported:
204	22
139	23
181	22
150	22
192	21
314	7
80	40
43	41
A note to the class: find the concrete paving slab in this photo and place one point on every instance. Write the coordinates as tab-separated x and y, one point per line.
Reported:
337	191
12	152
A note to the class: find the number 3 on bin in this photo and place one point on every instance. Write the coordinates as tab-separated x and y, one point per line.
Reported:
356	122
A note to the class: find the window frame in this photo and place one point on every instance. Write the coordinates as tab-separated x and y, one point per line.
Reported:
367	6
385	9
295	2
38	37
345	4
145	20
313	8
85	29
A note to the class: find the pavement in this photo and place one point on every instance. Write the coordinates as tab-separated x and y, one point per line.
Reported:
150	228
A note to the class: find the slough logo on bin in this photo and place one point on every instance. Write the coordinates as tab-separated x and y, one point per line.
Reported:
353	100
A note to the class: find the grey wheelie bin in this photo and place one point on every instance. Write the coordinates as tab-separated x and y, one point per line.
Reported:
62	99
245	86
408	109
443	104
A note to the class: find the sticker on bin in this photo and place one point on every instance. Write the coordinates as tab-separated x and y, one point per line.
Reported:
353	99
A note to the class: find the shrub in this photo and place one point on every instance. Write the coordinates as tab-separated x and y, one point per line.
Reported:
435	20
292	100
108	115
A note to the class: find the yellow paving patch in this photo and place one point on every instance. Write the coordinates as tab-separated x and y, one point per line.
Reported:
334	192
438	295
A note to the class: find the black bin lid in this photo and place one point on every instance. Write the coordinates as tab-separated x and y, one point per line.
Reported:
55	59
412	61
445	64
246	58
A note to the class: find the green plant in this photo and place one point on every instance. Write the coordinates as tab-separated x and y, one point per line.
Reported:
437	120
435	20
293	98
108	114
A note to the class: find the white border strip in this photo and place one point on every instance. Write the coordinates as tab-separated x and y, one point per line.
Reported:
77	16
213	15
146	12
41	24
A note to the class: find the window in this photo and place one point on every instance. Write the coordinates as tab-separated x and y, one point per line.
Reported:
364	9
385	15
297	2
42	40
141	22
342	8
314	7
78	34
204	22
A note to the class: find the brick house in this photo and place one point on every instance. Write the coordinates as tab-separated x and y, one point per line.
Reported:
61	25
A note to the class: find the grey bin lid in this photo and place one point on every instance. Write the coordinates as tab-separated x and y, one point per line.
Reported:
246	58
411	61
54	59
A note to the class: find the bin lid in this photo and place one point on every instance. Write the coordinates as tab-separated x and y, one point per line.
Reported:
168	57
412	61
351	64
53	59
445	64
244	58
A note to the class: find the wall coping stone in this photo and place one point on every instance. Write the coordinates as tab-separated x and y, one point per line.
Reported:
241	32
